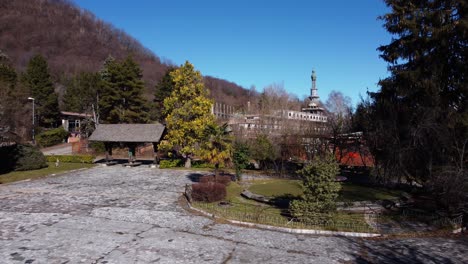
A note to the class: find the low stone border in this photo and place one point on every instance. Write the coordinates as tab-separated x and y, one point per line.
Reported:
290	230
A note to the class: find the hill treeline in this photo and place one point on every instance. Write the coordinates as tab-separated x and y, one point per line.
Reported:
74	40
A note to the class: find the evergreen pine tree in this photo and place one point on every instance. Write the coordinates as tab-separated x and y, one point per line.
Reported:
320	189
15	118
8	74
81	92
419	125
121	98
38	80
163	89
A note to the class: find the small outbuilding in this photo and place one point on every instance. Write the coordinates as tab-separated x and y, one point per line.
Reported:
129	134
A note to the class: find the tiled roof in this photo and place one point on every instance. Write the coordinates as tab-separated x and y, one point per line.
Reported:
128	133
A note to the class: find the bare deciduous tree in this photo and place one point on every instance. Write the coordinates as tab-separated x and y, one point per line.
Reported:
339	119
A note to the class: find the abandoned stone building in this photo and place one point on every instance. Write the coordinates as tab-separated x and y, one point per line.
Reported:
310	120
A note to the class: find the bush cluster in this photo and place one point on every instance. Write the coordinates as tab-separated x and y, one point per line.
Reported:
224	180
71	158
21	157
29	158
208	192
164	164
173	163
320	189
202	164
52	137
97	147
240	158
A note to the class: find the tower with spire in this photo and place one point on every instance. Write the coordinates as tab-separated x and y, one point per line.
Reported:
314	104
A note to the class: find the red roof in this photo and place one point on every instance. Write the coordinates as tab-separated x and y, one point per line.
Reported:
352	158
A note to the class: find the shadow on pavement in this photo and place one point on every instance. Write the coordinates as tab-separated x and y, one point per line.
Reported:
409	250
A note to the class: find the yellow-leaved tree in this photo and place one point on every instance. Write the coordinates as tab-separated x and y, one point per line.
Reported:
188	113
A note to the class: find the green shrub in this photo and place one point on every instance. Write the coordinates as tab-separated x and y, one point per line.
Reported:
320	189
7	158
21	157
202	164
71	158
29	158
205	164
240	158
52	137
97	147
164	164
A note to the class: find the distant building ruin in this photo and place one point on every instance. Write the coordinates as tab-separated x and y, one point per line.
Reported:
310	120
222	111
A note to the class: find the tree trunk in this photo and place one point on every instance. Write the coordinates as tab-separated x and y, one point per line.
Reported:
188	162
216	171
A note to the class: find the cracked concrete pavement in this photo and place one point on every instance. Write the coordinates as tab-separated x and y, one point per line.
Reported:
132	215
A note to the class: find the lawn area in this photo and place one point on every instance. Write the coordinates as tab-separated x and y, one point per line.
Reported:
349	192
33	174
247	210
276	187
352	192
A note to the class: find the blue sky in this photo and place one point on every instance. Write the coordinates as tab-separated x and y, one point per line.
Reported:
262	42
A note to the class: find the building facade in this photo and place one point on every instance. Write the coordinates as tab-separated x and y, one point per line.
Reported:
310	120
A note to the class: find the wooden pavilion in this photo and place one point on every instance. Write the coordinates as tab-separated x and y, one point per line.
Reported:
129	134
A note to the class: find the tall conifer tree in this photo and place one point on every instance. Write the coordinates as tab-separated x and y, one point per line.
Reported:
420	115
39	82
121	99
163	90
81	92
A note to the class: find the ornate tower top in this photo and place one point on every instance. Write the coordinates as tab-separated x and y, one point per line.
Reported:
314	105
313	91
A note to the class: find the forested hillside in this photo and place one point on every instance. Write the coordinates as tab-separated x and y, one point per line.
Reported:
74	40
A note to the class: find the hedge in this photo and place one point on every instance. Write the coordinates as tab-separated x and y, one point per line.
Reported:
52	137
71	158
173	163
97	147
29	158
164	164
204	164
20	158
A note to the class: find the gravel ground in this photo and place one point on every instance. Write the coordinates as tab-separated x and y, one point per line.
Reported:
133	215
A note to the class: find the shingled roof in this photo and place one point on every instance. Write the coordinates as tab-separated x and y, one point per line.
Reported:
128	133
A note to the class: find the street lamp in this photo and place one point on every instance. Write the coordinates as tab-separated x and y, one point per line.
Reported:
33	119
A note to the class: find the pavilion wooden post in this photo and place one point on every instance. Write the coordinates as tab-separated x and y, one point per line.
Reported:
155	153
108	147
131	152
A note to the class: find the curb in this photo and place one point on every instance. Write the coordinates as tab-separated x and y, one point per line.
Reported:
291	230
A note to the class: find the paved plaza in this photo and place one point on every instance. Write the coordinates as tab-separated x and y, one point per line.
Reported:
134	215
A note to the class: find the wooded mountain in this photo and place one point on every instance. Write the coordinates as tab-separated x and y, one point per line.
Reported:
74	40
